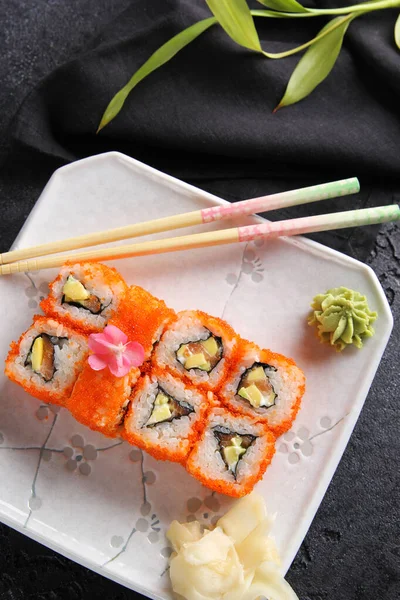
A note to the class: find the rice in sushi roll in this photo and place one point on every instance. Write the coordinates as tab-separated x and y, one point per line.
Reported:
232	453
142	317
197	347
47	359
165	416
100	400
85	295
265	386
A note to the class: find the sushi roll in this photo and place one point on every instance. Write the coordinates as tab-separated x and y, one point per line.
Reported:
84	295
47	359
165	416
142	317
198	348
100	400
265	386
232	453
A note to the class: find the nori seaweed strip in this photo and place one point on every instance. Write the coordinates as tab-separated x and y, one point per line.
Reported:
224	438
180	408
51	339
220	351
48	358
245	374
82	305
123	412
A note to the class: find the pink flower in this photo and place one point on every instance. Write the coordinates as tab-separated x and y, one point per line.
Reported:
111	349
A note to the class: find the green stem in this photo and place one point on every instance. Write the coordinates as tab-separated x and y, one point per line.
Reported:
320	12
364	7
310	42
355	11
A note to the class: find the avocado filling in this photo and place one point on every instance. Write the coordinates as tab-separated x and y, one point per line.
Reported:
166	409
256	388
201	354
232	446
75	294
41	355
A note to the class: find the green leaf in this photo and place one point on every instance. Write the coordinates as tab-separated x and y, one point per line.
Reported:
156	60
291	6
397	32
235	17
317	62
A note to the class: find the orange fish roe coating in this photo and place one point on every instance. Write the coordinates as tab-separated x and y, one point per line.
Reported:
287	381
94	275
100	400
205	462
57	390
142	317
182	405
169	439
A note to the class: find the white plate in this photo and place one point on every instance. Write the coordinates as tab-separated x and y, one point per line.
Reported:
105	504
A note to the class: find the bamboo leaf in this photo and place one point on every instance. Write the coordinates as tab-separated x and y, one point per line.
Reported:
156	60
317	62
235	18
397	32
291	6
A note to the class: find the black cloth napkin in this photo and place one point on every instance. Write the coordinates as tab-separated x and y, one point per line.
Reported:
206	116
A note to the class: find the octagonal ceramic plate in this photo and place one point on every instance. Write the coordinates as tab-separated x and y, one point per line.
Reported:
106	504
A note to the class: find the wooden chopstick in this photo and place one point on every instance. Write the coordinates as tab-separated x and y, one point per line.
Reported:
290	227
305	195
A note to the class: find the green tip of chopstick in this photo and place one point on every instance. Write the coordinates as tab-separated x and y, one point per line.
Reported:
351	185
379	214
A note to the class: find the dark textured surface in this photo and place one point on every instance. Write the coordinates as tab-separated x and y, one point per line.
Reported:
352	551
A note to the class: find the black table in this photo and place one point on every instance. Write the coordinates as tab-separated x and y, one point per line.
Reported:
352	550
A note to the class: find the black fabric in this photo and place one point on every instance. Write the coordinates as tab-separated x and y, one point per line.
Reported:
206	116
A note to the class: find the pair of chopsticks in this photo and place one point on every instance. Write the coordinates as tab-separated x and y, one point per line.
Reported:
16	261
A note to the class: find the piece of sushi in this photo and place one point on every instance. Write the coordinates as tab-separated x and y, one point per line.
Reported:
85	295
232	453
47	359
265	386
100	400
197	347
142	317
165	416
